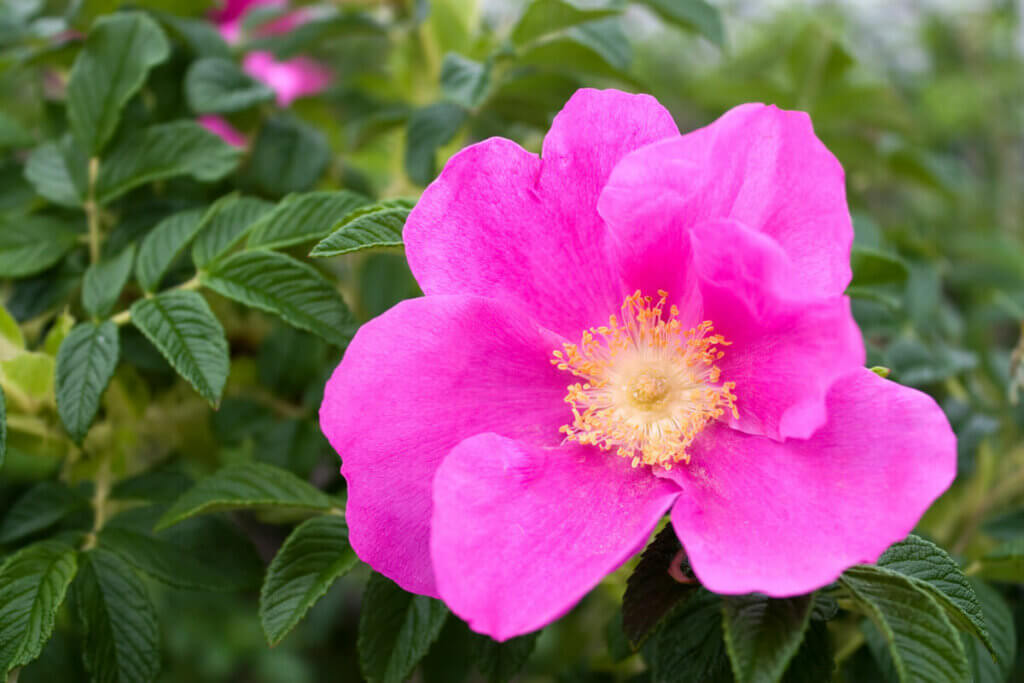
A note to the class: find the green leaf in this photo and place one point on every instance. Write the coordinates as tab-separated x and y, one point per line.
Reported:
429	128
314	556
57	172
245	485
464	81
762	634
119	52
38	509
651	592
162	245
301	218
689	645
13	133
85	363
224	225
875	267
377	225
922	642
32	372
395	630
813	662
931	567
12	341
499	662
597	47
182	327
985	668
162	151
199	35
32	243
33	583
122	632
3	427
287	156
1005	562
103	282
217	85
281	285
693	15
548	16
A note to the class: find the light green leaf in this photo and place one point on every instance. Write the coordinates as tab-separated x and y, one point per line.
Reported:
464	81
395	630
245	485
217	85
122	632
118	54
33	583
314	556
12	341
32	243
763	634
985	668
693	15
301	218
163	244
57	172
542	17
430	128
922	642
377	225
85	363
1005	562
279	284
225	224
104	281
32	372
164	151
597	47
182	327
38	509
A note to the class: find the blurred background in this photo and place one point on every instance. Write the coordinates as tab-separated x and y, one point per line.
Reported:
921	100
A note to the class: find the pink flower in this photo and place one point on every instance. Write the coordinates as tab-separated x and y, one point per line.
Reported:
506	445
290	79
220	126
229	19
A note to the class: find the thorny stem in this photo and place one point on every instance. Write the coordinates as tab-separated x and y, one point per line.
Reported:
92	211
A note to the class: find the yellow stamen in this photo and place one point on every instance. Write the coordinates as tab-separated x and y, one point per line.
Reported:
649	387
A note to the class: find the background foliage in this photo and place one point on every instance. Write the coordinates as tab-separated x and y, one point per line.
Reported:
173	304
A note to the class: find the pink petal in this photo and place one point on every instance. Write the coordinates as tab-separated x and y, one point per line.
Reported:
220	126
501	223
413	383
786	350
229	18
787	518
759	165
290	79
521	533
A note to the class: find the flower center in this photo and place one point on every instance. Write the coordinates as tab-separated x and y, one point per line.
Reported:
649	387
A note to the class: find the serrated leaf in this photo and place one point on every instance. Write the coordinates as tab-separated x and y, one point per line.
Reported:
922	642
925	562
314	556
56	171
225	224
162	245
693	15
542	17
763	634
378	225
499	662
813	662
597	47
245	485
1005	562
119	52
39	508
85	363
303	217
122	632
162	151
33	583
288	155
464	80
429	128
651	592
182	327
30	244
984	668
103	282
689	645
281	285
217	85
395	630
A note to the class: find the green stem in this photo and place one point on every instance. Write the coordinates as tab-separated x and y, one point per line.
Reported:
12	677
92	211
99	503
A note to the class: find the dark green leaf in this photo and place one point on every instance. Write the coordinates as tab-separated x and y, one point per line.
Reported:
763	634
279	284
499	662
182	327
39	508
651	592
314	556
13	133
377	225
984	668
464	81
547	16
689	645
33	583
85	363
162	245
30	244
693	15
302	218
875	267
224	226
287	156
217	85
245	485
104	281
119	52
200	35
813	662
122	632
395	630
430	128
57	172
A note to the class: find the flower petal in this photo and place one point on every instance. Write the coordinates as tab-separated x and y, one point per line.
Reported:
757	164
413	383
291	78
521	534
786	518
786	351
502	223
